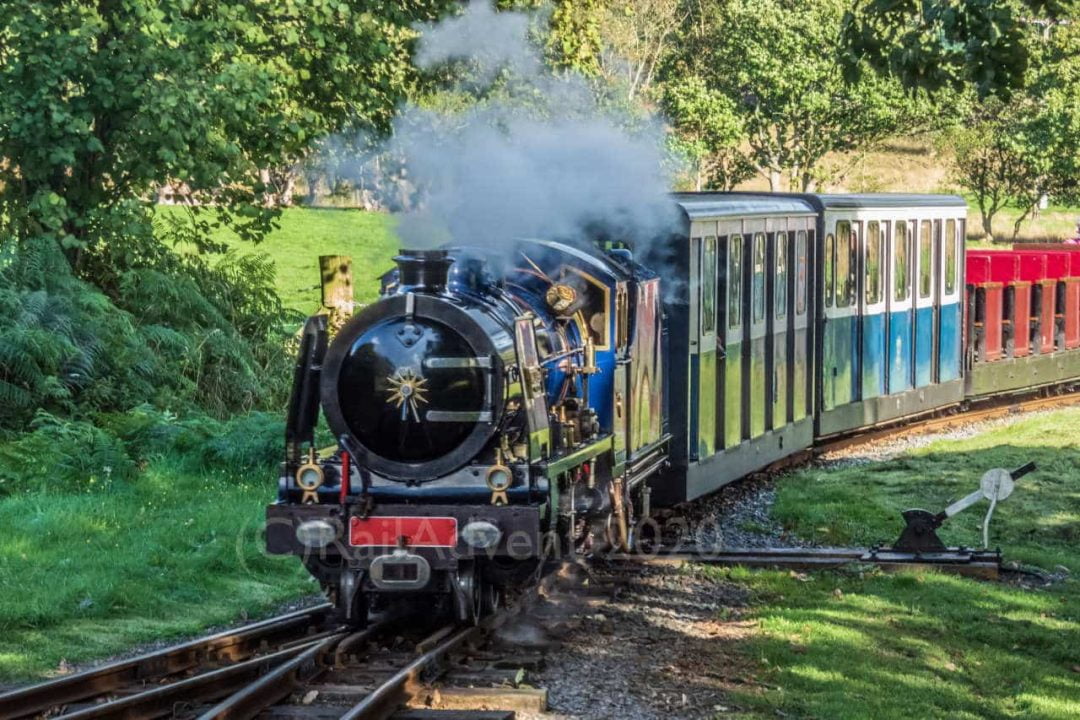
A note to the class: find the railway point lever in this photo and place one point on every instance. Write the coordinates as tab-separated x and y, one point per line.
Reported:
920	530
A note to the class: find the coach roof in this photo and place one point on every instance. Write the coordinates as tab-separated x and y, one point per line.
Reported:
716	204
885	200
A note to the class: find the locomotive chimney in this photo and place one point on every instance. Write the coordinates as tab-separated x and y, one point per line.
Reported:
424	270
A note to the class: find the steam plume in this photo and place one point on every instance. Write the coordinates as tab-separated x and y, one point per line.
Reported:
549	162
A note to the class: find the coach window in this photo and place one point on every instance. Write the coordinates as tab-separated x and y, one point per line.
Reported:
925	259
950	256
844	266
734	281
759	277
873	263
780	291
902	253
708	286
800	273
830	268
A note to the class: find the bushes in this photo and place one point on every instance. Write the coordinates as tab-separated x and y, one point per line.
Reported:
59	455
156	326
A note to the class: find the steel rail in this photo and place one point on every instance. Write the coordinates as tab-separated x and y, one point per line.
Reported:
276	685
163	700
233	644
977	563
386	698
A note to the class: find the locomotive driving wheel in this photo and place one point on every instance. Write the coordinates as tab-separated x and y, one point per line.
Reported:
474	595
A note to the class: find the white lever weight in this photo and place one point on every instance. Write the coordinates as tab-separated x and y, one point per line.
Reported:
996	484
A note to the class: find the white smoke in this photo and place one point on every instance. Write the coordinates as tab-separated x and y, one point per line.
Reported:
548	162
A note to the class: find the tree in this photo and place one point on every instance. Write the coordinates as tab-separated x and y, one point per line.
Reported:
936	44
777	62
100	102
708	133
636	36
1015	151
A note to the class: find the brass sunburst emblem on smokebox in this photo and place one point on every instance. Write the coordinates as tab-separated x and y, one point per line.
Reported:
407	391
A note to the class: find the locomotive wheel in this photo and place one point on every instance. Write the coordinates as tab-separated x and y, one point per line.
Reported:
351	603
474	596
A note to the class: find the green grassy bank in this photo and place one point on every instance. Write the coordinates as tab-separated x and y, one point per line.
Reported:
306	233
90	574
862	644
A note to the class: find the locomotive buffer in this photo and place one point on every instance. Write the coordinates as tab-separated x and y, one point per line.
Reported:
917	546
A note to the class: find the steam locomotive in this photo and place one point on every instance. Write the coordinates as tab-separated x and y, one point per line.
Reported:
497	408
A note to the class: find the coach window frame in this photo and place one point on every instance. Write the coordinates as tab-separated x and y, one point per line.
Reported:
925	253
707	285
735	281
802	267
759	259
901	261
874	275
783	270
950	255
830	269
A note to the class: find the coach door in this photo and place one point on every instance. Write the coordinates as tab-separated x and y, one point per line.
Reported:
925	304
840	316
901	308
703	357
801	348
779	301
732	356
756	365
872	310
949	312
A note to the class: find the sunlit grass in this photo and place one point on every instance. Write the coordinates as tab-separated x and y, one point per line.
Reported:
92	574
922	644
306	233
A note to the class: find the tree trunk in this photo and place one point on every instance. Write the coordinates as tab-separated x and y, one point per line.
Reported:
774	180
988	225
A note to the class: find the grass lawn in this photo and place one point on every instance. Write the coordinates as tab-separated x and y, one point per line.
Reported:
89	575
305	234
861	643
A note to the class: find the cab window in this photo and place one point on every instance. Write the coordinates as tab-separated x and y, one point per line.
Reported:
902	258
780	289
759	277
734	282
873	263
926	264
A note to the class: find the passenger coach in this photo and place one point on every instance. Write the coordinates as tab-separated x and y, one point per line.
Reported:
890	319
741	339
803	316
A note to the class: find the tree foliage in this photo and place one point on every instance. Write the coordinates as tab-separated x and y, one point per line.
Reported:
1014	151
957	44
777	63
100	102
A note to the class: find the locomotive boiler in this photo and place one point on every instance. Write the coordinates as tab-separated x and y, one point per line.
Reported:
490	410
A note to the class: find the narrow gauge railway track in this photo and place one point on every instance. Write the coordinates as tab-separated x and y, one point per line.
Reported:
297	666
992	408
451	673
173	674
